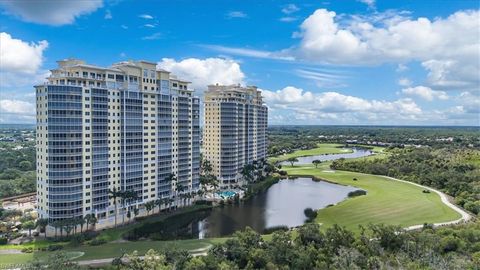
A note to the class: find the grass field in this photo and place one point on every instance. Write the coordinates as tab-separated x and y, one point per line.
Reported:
323	148
387	201
111	250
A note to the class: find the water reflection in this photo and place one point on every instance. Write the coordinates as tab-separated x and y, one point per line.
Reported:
308	160
282	204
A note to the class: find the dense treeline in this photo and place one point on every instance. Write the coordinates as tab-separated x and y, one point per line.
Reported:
454	171
17	168
377	247
431	136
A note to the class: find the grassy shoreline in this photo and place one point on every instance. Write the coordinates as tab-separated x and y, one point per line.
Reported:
322	149
387	201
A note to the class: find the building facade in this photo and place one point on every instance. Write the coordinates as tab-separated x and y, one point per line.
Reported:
128	127
235	130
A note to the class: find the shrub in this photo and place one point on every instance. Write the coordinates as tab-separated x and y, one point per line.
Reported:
270	230
310	214
282	173
356	193
3	241
27	250
54	247
426	191
203	202
97	242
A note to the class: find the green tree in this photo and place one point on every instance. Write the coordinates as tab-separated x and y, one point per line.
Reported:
42	223
29	225
149	206
316	162
114	194
292	160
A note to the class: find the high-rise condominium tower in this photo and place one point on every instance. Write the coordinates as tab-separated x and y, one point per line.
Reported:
128	127
235	129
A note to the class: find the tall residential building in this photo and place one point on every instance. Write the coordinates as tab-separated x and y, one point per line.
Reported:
125	127
235	130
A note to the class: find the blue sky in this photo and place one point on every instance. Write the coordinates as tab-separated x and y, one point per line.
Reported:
330	62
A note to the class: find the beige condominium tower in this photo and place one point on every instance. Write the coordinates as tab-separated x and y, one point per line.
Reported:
235	130
127	127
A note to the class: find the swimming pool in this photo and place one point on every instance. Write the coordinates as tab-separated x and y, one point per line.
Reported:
226	194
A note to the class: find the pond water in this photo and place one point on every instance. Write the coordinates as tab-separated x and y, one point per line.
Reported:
327	157
281	204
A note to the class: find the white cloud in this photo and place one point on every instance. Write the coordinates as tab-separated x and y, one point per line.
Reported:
288	19
17	107
305	105
16	111
236	14
149	25
108	15
290	8
470	102
18	56
146	16
153	36
20	62
446	47
369	3
202	72
249	52
124	26
59	12
425	93
404	82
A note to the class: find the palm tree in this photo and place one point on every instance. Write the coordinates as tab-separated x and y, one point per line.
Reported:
43	223
247	171
114	194
128	196
93	220
88	219
29	225
292	160
81	221
179	189
316	162
149	206
159	202
55	225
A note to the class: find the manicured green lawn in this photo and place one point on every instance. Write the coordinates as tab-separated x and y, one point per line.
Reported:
323	148
387	201
111	250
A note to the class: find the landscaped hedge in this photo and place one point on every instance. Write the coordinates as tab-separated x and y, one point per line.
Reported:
356	193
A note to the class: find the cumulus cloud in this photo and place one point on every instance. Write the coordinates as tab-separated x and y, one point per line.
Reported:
452	61
202	72
21	61
305	105
59	12
425	93
20	56
16	111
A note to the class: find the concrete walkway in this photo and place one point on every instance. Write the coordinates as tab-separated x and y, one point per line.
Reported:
465	215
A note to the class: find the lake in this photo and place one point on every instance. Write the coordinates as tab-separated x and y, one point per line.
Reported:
327	157
281	204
